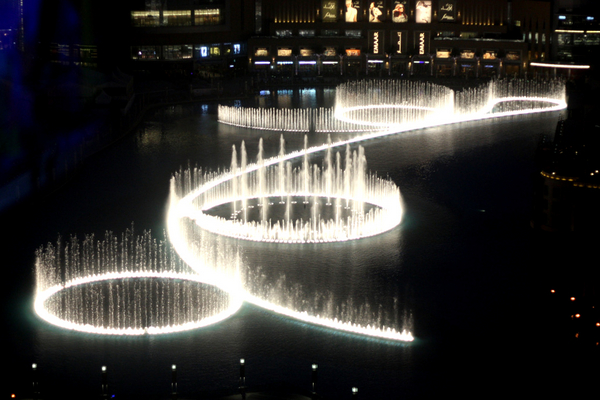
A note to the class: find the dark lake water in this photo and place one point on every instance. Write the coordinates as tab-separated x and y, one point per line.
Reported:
464	267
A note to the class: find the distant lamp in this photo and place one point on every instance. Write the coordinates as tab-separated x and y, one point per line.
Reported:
35	383
314	378
104	383
173	382
242	383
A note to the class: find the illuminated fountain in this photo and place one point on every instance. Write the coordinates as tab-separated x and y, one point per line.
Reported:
406	105
400	105
127	286
117	287
278	203
287	119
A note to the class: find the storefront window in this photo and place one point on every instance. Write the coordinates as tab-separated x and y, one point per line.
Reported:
145	52
177	52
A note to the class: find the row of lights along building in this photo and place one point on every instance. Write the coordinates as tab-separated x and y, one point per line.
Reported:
328	38
321	38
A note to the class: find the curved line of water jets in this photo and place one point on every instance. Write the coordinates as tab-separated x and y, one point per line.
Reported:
232	284
240	295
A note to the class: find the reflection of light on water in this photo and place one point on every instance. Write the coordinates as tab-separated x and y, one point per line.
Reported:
150	138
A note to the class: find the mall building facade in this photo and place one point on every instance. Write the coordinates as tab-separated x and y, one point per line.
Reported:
333	38
401	37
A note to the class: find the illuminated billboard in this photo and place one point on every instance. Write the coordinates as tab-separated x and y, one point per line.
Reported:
284	52
422	43
353	52
305	52
376	11
329	9
376	42
329	51
400	11
423	12
261	52
467	54
447	12
398	42
353	11
443	53
513	55
490	55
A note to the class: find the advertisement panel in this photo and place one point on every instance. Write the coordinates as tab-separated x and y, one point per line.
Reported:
329	10
513	55
305	52
329	51
398	42
376	11
447	12
284	52
261	52
490	55
353	52
422	43
353	11
400	11
423	12
443	53
467	54
376	42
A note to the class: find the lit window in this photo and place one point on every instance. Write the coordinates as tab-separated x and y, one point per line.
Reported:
145	18
177	52
177	18
209	16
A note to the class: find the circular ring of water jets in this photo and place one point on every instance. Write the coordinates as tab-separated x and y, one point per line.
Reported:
272	201
135	303
134	285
